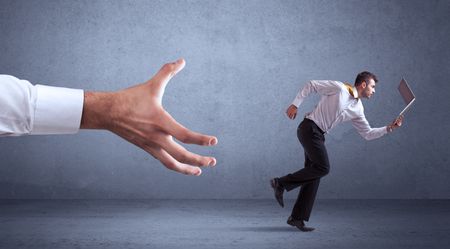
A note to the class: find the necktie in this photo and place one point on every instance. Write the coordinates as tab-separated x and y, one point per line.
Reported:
350	89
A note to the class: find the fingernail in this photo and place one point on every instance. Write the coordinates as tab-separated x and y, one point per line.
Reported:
197	172
213	141
212	162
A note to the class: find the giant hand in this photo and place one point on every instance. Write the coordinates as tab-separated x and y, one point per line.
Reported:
137	115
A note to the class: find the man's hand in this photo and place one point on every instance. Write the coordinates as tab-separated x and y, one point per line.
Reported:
395	124
291	112
137	115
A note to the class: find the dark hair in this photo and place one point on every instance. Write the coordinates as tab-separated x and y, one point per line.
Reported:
365	76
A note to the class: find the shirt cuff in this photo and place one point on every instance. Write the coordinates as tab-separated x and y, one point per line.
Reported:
382	131
297	102
58	110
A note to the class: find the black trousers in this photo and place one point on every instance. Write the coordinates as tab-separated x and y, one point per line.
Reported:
316	166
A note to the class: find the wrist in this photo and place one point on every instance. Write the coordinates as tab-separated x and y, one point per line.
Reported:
389	128
97	110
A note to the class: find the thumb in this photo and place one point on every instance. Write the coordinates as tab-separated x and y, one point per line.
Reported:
163	76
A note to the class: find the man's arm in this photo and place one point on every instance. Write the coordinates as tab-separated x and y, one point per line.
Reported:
322	87
136	114
363	127
28	109
16	110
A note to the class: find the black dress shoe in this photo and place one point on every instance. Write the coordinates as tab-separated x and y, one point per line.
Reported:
278	190
300	224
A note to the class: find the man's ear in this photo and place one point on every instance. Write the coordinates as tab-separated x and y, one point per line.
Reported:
363	84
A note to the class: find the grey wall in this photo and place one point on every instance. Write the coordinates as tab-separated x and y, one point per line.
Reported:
246	60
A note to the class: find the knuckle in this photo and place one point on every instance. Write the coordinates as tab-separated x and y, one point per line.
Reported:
170	165
153	138
201	161
183	157
184	138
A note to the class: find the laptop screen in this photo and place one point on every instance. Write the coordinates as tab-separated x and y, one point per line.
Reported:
405	91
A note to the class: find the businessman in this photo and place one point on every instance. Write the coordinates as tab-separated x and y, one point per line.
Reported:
339	103
135	114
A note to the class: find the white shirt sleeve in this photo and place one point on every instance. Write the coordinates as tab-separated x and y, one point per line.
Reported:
363	127
322	87
27	109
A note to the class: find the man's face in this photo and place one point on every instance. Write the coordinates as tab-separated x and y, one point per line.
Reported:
369	88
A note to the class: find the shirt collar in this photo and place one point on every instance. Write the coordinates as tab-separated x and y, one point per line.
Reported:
352	90
355	93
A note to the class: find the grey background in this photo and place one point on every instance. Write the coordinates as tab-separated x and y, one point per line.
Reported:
246	60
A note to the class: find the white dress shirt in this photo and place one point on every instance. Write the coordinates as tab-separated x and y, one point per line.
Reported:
28	109
336	106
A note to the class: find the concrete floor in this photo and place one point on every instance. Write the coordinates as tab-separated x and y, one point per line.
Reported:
221	224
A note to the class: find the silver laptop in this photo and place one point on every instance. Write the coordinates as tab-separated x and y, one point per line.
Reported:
407	95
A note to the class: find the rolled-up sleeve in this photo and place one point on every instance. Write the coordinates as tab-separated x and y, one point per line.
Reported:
38	110
363	127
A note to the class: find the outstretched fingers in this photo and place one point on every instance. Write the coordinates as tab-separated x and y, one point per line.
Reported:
184	156
169	162
185	135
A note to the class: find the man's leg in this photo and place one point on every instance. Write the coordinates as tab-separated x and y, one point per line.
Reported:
306	197
305	201
316	157
316	166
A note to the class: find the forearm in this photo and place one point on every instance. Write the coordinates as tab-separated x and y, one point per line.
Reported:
366	131
302	94
374	133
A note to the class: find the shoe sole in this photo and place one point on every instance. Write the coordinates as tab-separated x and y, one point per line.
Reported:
304	229
272	183
307	229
